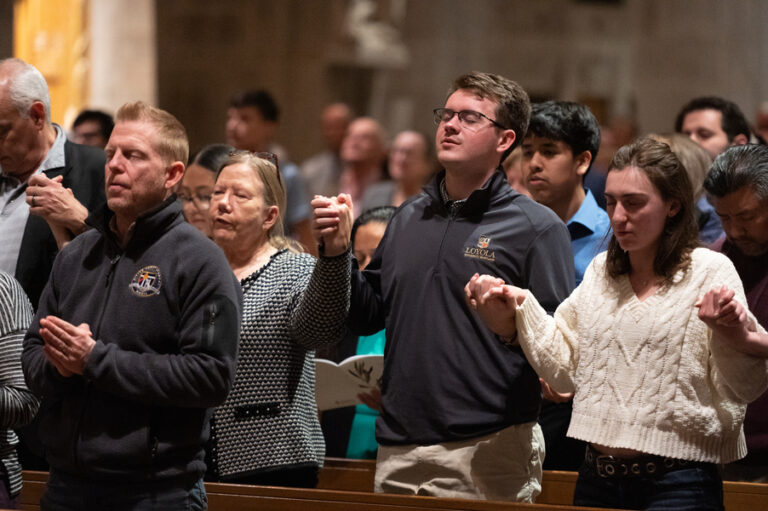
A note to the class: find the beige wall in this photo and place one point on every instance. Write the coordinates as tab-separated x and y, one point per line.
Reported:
641	57
645	57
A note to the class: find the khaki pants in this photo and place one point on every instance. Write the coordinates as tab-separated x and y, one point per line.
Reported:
505	465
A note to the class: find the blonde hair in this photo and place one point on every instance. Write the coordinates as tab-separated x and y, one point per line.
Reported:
274	194
171	142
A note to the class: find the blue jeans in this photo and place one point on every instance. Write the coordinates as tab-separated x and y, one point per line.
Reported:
689	489
67	493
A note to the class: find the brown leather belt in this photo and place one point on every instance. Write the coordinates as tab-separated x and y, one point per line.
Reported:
646	465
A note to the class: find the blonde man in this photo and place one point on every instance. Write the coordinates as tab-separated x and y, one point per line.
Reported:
135	338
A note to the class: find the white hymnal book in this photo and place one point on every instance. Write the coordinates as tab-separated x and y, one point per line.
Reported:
337	385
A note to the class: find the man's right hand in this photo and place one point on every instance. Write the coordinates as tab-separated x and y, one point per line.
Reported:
332	223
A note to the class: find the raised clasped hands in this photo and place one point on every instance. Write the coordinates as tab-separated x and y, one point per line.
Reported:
66	346
718	309
495	302
332	223
722	313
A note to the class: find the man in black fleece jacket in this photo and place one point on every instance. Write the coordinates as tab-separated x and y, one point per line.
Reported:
135	338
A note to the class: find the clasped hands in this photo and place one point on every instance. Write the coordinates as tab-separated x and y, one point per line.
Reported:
723	314
66	346
332	223
495	302
57	205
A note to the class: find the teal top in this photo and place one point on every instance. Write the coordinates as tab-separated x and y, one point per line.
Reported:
362	437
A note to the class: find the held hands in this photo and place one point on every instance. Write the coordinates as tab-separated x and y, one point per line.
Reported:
717	308
726	316
332	223
67	346
494	302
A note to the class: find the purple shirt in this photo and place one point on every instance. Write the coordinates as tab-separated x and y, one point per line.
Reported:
754	275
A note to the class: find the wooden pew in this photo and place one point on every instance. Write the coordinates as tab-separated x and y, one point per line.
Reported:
358	475
557	486
266	498
354	480
345	474
234	497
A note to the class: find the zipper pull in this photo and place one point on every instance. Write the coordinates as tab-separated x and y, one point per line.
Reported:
112	264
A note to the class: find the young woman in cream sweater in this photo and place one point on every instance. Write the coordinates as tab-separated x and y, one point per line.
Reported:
651	342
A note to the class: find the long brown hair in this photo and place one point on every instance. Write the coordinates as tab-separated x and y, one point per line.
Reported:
667	174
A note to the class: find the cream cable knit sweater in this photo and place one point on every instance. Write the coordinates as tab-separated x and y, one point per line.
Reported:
648	375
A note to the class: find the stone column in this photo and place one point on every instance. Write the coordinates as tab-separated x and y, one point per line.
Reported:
123	52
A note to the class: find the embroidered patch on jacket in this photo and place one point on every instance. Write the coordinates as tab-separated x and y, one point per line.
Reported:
146	282
481	250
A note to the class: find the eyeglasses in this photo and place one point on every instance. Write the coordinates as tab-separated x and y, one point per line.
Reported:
469	119
202	201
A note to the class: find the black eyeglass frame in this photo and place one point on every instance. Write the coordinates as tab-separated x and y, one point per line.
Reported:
439	117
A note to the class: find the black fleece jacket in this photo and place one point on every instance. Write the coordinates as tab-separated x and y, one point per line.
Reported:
165	313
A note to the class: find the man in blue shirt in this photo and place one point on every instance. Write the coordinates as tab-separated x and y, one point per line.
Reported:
558	151
561	144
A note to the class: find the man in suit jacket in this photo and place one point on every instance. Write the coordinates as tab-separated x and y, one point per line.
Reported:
47	185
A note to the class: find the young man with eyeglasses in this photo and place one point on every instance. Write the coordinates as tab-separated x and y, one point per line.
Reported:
459	403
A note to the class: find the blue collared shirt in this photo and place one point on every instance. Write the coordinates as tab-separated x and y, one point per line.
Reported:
590	230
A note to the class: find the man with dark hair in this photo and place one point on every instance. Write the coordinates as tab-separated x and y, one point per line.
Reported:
459	403
562	141
737	186
561	144
93	128
713	123
135	338
252	121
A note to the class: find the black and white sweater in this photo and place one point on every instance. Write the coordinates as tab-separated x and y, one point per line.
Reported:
18	405
270	418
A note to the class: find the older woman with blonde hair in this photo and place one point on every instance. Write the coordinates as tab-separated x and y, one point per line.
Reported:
267	431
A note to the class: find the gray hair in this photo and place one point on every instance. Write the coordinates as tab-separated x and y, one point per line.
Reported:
27	85
737	167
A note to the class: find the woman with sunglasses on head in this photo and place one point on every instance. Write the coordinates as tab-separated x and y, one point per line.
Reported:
660	383
267	432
